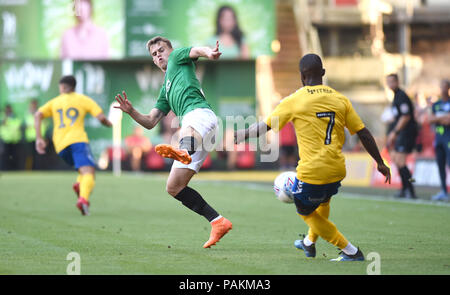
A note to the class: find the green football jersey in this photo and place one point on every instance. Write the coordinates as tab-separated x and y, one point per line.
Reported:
181	91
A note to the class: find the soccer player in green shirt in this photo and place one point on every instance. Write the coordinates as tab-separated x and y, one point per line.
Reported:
182	93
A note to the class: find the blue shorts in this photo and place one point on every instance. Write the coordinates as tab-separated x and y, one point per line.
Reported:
307	197
78	155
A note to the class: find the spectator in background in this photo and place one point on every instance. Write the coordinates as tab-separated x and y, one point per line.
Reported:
402	137
230	36
288	148
238	156
30	135
169	128
137	145
230	149
440	117
10	134
85	40
425	136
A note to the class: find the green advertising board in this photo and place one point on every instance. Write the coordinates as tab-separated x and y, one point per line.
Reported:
117	29
193	22
22	81
41	29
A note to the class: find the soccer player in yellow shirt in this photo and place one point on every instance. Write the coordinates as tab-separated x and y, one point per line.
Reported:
68	111
319	114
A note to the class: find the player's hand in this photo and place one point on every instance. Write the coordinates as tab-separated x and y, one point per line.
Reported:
40	145
124	104
214	54
383	169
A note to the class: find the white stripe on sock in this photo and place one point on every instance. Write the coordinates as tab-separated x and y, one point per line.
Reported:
350	249
307	242
217	218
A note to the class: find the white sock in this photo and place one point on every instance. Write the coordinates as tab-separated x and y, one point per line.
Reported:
217	218
350	249
307	242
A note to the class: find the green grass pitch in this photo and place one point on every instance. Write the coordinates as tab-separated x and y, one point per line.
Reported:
135	227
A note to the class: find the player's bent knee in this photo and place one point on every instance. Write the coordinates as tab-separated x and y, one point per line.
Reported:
173	190
87	170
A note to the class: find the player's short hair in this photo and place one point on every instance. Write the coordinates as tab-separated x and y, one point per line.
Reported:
446	82
157	39
69	81
311	65
393	75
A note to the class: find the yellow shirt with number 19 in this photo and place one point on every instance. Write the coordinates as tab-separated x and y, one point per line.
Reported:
68	111
319	114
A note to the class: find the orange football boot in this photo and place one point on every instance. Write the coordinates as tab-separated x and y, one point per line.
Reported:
168	151
219	228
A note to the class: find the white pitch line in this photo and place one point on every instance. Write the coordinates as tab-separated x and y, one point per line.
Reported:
265	187
393	200
345	195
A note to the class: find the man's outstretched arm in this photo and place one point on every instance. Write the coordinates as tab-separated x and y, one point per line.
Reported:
148	121
206	52
255	130
369	144
102	119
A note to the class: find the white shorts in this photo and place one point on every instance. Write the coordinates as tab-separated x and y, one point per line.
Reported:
204	121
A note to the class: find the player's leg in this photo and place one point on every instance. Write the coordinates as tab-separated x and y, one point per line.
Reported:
308	202
307	244
405	174
323	208
87	181
404	145
67	156
76	185
401	193
197	134
177	186
329	232
440	151
84	162
189	143
324	211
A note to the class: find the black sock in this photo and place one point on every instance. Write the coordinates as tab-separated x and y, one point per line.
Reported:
194	201
405	174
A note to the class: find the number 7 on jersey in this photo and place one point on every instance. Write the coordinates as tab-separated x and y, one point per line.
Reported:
330	126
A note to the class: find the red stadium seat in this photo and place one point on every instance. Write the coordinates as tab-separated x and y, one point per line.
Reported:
246	158
154	161
207	163
123	154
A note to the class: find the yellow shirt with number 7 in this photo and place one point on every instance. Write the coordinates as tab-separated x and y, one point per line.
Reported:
319	114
